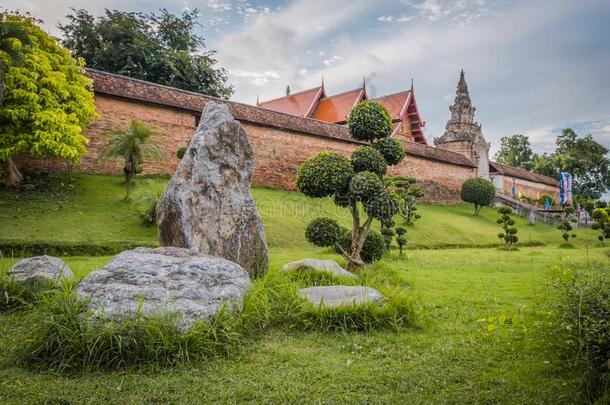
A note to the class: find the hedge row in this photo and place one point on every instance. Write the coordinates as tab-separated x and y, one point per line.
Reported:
20	248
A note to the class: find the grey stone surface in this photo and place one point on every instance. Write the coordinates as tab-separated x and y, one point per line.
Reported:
41	269
337	295
168	280
329	266
207	205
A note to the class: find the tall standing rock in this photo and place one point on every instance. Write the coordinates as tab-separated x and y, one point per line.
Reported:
207	205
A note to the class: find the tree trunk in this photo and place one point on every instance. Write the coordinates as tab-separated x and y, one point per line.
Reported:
11	177
128	185
477	209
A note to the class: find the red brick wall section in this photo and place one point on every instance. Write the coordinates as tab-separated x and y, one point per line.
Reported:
278	152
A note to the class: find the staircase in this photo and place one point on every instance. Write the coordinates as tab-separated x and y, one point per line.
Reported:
524	209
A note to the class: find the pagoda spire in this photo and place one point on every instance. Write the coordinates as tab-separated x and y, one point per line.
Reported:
462	96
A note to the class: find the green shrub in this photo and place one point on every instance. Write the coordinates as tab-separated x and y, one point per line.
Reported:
407	193
368	121
601	224
14	295
367	158
373	248
565	227
381	206
509	232
180	152
365	185
479	192
324	232
146	201
324	175
401	239
391	149
580	322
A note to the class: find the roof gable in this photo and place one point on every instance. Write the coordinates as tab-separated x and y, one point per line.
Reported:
336	108
403	108
300	104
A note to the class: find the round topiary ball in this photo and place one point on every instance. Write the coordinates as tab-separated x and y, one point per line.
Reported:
180	152
478	191
373	249
368	121
324	232
365	185
391	149
367	158
324	175
381	206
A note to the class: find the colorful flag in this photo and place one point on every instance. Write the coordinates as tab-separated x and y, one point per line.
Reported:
565	188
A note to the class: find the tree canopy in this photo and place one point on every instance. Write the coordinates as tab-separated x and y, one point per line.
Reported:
157	47
47	102
515	151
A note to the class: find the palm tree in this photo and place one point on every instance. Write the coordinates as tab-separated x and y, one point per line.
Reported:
134	144
13	36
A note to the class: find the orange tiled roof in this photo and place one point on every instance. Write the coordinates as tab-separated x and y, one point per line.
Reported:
396	104
511	171
300	104
336	108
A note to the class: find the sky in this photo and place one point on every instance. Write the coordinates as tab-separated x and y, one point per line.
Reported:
532	67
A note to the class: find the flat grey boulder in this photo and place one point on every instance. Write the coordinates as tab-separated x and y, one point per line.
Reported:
328	266
167	280
41	269
207	205
338	295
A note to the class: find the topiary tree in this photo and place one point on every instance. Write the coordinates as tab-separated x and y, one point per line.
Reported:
479	192
566	225
601	224
356	183
387	231
407	194
509	234
324	232
401	239
47	102
134	144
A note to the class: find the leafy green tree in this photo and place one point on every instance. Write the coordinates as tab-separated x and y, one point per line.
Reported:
356	183
479	192
13	37
515	151
509	232
387	231
47	102
134	144
586	160
407	193
324	232
546	165
157	47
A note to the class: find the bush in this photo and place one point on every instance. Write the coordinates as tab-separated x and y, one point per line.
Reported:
373	248
601	224
479	192
509	232
368	121
20	248
324	175
366	185
180	152
381	206
391	149
367	158
324	232
580	314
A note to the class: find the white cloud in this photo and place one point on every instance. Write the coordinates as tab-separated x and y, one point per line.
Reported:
385	18
331	60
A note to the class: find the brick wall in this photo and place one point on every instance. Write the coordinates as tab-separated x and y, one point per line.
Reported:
527	188
278	152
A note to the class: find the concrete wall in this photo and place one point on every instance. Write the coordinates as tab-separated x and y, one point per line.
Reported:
504	184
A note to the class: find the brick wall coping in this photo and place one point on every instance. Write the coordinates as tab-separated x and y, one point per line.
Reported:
126	87
522	174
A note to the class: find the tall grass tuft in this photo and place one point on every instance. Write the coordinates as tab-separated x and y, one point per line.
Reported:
310	278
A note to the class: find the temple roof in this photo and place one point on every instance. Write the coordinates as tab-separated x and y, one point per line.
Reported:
300	104
337	107
517	172
396	104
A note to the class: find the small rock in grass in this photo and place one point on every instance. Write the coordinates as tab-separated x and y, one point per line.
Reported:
338	295
165	280
328	266
40	269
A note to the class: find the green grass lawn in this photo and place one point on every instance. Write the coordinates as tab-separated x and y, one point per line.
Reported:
92	209
448	357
